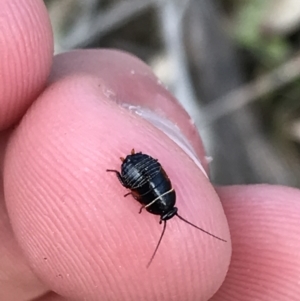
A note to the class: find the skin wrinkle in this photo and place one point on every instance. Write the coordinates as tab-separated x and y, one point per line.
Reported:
54	185
19	28
11	255
67	235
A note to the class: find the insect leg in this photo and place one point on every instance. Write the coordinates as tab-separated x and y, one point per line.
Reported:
118	176
127	194
144	206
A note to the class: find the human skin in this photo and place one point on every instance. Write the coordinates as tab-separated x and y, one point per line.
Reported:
66	231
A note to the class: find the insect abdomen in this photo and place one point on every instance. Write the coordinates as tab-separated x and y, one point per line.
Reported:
158	191
139	169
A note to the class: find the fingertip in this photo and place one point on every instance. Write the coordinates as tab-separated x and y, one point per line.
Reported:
78	232
130	83
264	225
26	47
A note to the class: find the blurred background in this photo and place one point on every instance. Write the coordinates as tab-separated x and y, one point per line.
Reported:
234	65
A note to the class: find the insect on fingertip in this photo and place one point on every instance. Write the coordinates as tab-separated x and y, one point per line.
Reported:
150	185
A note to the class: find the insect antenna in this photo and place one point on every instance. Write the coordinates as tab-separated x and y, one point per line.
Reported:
161	236
183	219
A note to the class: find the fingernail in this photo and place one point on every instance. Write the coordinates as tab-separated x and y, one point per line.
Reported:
168	128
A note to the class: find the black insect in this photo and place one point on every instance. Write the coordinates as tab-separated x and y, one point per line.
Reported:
150	186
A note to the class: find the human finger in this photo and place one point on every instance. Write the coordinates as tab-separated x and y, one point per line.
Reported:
265	228
86	240
26	55
26	47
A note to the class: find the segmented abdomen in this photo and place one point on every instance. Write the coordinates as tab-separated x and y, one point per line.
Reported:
138	169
